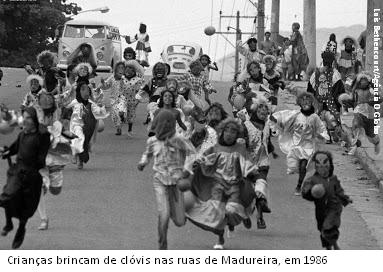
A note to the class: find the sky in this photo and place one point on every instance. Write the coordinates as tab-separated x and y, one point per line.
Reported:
185	20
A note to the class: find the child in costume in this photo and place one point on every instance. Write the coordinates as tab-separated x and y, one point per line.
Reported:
68	91
59	153
347	58
132	82
205	61
364	98
169	152
143	46
256	82
273	79
47	62
251	54
259	147
200	87
34	83
298	132
326	85
328	207
84	53
155	86
21	194
83	122
225	162
117	97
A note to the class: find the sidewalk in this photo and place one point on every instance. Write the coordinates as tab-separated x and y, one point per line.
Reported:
372	164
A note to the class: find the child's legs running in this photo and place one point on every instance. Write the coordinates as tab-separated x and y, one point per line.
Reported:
116	118
302	172
235	212
131	114
163	208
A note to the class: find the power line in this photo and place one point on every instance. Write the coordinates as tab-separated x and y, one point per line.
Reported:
211	22
224	55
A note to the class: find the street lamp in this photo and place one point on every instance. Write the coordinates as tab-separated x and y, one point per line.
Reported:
102	10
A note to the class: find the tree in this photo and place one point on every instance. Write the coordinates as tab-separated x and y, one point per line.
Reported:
28	29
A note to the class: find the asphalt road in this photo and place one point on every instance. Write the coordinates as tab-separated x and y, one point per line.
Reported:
110	204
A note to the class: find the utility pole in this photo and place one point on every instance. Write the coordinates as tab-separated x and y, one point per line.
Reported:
309	30
238	38
275	6
261	21
211	30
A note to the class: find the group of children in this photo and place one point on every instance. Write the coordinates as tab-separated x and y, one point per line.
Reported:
59	116
209	168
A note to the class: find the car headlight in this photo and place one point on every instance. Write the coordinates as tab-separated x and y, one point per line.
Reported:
66	54
100	55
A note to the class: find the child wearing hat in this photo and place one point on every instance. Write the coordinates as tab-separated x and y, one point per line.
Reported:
34	84
169	152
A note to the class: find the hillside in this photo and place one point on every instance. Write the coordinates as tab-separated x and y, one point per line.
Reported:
226	65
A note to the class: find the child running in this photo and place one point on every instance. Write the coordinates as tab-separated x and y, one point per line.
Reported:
325	190
21	194
83	122
169	152
298	132
117	97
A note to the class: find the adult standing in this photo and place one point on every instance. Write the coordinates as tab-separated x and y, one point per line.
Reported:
268	46
299	56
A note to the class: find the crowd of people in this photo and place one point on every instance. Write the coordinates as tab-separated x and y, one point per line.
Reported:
209	167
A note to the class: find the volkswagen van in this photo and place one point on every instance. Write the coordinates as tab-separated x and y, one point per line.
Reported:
106	41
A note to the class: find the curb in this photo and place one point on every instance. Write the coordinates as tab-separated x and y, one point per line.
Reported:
372	169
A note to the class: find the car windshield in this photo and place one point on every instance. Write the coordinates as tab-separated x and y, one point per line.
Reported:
81	31
181	49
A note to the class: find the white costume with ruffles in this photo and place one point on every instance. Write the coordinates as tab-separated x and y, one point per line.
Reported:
297	138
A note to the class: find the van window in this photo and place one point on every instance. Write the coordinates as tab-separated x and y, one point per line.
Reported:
74	31
79	31
181	49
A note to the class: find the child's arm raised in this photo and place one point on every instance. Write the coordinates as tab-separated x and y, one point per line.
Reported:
213	67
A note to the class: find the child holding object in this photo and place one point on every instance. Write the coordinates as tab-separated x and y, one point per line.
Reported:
169	152
325	190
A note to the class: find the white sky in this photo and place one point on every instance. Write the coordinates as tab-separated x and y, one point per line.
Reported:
185	20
